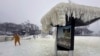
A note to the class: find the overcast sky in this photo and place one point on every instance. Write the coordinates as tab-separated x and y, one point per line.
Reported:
19	11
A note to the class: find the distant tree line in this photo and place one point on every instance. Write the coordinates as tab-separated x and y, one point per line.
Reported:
22	29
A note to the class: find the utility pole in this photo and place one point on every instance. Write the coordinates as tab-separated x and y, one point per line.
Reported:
71	52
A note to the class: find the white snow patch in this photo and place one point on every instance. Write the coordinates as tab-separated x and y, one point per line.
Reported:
84	46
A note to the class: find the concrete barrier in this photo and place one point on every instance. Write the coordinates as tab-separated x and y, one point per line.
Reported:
2	39
8	38
5	38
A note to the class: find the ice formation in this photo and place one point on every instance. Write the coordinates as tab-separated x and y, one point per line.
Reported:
56	16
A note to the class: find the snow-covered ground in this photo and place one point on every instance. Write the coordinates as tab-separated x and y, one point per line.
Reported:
84	46
28	47
87	46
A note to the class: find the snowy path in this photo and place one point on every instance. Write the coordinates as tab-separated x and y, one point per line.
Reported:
84	46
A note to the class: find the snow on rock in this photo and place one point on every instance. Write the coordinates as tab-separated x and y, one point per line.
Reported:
28	37
48	36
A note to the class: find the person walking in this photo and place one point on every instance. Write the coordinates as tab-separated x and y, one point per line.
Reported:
16	39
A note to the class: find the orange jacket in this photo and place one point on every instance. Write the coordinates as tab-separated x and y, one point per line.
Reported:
16	37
